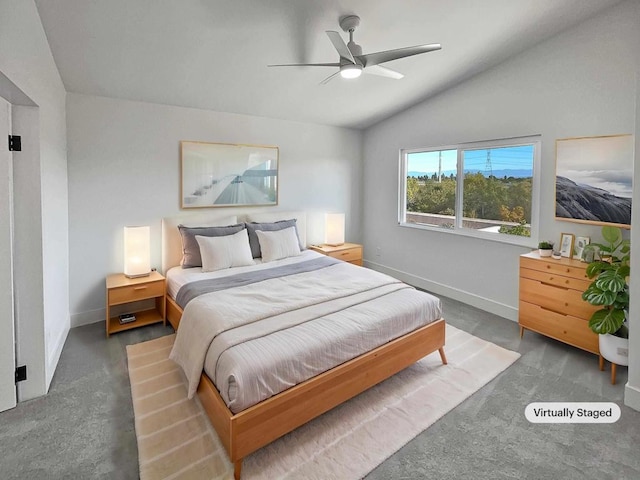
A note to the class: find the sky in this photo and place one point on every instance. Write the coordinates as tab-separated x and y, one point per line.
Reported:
602	162
505	158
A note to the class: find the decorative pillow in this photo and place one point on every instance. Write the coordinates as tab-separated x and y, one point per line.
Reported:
278	244
253	227
225	252
190	248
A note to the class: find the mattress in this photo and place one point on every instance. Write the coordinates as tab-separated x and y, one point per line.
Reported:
261	338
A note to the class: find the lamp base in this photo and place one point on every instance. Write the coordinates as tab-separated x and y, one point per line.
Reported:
138	275
335	244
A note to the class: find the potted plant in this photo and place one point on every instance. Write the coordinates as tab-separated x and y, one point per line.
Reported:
545	248
610	290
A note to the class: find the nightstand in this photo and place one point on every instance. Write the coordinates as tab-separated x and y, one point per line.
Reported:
349	252
122	291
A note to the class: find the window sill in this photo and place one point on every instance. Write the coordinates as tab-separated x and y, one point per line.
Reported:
525	242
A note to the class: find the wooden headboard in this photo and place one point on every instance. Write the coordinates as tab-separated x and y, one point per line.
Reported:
172	243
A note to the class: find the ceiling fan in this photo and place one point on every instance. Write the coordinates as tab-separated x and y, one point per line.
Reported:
352	62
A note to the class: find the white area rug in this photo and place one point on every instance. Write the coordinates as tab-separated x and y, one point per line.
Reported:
176	440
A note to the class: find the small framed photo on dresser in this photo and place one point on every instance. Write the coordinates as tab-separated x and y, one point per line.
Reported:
566	244
581	242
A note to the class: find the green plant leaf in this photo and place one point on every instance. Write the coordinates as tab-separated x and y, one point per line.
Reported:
594	268
622	301
609	280
596	296
606	321
611	234
624	271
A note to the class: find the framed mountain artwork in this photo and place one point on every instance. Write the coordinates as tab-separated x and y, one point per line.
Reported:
594	180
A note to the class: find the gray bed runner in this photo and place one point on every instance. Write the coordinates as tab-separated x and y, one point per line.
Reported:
194	289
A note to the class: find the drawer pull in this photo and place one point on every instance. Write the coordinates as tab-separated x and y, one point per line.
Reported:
344	253
554	286
553	311
568	270
143	287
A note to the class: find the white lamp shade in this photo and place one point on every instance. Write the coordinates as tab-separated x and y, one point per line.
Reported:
137	254
334	229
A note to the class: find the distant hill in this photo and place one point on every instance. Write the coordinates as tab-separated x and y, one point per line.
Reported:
496	173
585	202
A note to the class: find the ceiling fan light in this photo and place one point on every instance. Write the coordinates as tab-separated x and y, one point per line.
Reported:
350	71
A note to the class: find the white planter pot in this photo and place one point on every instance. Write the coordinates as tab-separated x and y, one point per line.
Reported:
545	253
614	349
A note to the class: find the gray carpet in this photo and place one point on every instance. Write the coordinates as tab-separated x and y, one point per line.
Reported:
84	427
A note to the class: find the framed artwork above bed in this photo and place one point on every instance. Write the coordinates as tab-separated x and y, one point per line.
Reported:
227	175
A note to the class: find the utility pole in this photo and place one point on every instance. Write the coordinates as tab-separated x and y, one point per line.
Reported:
488	169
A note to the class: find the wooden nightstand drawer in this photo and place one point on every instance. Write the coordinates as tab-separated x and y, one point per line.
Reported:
348	252
131	293
348	255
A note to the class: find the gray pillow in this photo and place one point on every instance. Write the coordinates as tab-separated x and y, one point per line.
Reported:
268	227
191	249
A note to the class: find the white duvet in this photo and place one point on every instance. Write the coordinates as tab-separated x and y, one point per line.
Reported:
258	340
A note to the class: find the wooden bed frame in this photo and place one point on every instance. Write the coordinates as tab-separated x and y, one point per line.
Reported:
245	432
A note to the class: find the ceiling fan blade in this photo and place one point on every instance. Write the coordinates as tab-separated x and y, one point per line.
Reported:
371	59
306	65
383	72
329	78
340	46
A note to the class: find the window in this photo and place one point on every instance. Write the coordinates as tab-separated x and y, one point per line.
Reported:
484	189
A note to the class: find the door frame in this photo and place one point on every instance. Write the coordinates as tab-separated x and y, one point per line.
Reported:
8	393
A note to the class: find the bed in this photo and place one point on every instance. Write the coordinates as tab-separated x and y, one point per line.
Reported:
344	329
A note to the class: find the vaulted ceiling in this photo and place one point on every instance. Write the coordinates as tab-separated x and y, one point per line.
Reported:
213	54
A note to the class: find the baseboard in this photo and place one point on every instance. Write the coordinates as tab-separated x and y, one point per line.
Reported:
54	356
488	305
632	397
86	318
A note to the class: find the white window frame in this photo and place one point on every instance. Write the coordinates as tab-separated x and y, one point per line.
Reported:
535	140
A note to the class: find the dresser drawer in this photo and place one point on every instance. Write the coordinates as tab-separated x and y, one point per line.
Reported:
131	293
565	328
551	278
554	268
348	255
558	299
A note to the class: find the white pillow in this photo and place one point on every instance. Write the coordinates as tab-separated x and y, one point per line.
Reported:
278	244
225	252
274	216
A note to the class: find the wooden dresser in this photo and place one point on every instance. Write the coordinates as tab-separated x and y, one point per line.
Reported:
551	300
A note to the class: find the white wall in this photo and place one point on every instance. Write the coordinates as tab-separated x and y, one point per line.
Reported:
632	390
580	83
40	186
124	169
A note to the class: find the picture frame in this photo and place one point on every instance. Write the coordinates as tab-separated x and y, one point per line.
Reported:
227	175
585	191
566	244
580	243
